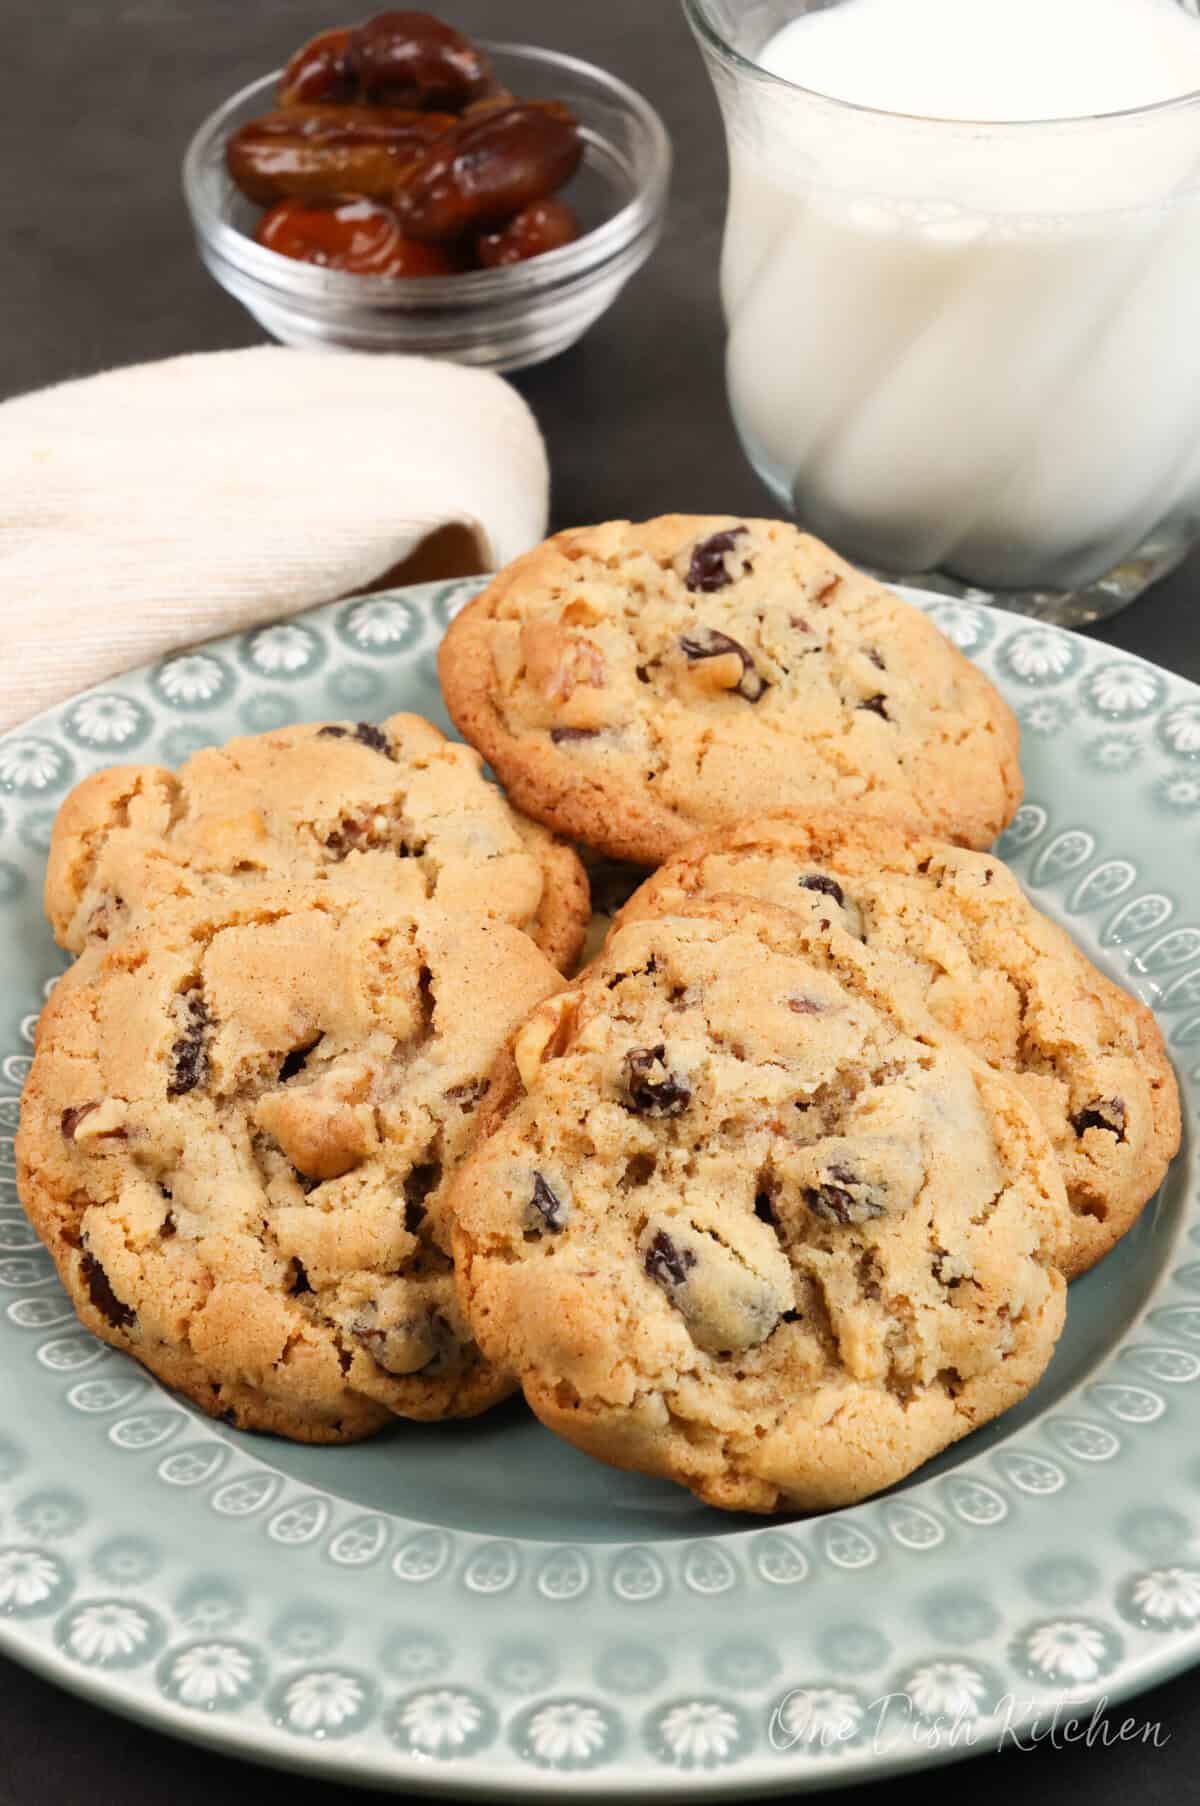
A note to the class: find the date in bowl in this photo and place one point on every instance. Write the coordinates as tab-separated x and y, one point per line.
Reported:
502	319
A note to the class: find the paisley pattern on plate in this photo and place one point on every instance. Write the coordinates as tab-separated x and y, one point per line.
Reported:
153	1560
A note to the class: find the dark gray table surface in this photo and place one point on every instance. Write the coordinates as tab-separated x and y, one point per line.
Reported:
98	269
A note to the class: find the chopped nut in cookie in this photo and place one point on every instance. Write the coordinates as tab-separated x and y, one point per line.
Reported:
720	663
325	1128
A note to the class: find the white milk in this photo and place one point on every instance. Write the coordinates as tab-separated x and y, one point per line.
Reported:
992	59
973	346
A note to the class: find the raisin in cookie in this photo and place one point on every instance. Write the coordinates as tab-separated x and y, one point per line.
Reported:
396	810
732	1222
236	1141
632	685
1089	1057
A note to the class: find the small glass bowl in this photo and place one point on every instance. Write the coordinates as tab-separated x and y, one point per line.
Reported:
502	319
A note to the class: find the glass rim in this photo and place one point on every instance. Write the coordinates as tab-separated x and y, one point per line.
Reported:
596	249
699	17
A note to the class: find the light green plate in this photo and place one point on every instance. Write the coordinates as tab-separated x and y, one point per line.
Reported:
482	1608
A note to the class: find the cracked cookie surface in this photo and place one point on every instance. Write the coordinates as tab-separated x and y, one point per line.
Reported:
1089	1057
741	1216
394	810
237	1138
634	684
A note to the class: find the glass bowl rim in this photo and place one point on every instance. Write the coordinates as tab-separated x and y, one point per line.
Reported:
712	38
553	269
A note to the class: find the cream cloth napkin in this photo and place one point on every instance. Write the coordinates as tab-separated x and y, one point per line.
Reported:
148	508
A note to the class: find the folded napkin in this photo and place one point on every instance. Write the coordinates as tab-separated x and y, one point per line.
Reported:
148	508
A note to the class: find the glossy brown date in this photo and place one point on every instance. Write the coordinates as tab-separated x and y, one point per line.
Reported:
400	59
411	59
404	109
358	236
489	168
542	226
320	71
323	152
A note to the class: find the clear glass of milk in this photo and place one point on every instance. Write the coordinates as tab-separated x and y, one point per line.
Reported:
961	275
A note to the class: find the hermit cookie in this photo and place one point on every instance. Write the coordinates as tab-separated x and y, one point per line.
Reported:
236	1141
395	811
731	1223
632	685
1088	1056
